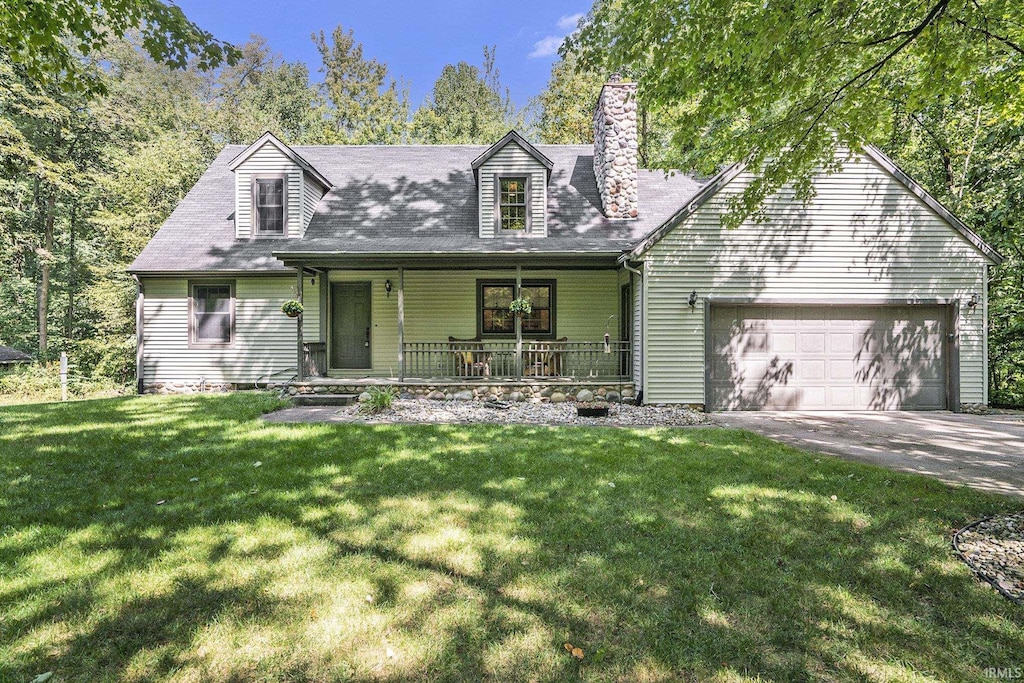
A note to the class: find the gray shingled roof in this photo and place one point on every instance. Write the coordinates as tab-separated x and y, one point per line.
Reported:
9	355
409	199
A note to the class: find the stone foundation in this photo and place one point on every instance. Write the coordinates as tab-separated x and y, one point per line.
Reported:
515	392
187	387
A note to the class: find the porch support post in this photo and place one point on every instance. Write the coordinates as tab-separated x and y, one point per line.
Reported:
401	324
300	374
519	324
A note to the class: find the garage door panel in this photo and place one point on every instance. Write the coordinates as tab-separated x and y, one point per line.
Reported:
809	370
827	357
841	342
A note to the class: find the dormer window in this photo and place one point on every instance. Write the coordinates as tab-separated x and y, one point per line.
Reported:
268	206
512	204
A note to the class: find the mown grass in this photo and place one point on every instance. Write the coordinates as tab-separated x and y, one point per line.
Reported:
183	539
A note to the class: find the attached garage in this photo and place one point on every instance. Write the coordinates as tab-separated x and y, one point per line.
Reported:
868	296
831	357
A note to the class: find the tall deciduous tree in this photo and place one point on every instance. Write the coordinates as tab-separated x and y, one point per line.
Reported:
783	85
263	92
467	106
566	111
47	40
567	103
366	107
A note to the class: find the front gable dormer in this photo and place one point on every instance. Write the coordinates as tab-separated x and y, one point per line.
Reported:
512	189
276	190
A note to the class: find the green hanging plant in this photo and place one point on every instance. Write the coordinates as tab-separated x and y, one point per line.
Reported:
293	309
520	307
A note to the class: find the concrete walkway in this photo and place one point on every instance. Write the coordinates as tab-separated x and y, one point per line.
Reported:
982	451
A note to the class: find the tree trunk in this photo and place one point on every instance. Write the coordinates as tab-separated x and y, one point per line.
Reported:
69	322
44	281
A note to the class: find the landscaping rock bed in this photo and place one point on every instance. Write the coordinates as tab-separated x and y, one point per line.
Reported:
470	412
994	549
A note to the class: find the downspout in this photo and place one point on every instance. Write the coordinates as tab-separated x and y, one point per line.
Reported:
984	334
642	346
140	337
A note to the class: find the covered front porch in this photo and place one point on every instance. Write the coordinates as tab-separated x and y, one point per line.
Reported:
428	325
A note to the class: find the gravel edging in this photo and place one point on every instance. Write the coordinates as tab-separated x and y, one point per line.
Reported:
412	411
993	548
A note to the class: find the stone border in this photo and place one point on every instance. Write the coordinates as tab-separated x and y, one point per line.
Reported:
986	561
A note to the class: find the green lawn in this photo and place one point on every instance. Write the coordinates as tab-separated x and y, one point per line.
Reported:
183	539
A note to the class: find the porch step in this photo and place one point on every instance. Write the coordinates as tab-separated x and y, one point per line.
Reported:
325	399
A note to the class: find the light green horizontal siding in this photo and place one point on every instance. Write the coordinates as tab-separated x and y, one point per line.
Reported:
310	308
268	160
264	336
442	304
438	304
863	237
513	160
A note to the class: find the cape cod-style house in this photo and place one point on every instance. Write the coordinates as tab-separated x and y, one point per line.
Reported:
406	258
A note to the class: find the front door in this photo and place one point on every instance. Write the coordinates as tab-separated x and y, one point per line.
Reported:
350	325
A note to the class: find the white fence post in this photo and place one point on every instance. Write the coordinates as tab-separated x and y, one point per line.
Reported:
63	375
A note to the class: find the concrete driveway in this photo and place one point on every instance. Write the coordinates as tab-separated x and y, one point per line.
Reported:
982	451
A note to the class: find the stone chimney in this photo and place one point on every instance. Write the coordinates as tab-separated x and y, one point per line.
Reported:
615	148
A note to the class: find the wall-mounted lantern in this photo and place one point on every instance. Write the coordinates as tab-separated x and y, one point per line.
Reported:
973	301
387	287
692	301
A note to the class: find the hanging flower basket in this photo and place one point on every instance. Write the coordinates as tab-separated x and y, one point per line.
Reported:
292	309
520	307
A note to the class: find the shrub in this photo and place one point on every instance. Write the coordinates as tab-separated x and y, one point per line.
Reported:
110	358
1010	395
39	382
379	399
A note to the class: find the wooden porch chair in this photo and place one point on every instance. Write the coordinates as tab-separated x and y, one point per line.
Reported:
470	358
544	358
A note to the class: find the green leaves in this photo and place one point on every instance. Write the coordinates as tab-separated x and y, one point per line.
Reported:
467	106
47	42
365	106
793	82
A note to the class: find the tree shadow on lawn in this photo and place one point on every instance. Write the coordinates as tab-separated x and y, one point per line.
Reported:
463	553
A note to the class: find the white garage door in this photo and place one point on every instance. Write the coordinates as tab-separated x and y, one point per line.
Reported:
827	357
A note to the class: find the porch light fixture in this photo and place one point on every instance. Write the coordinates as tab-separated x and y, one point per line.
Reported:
387	287
973	301
692	301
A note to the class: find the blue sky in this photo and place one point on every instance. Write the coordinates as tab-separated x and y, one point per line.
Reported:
415	39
